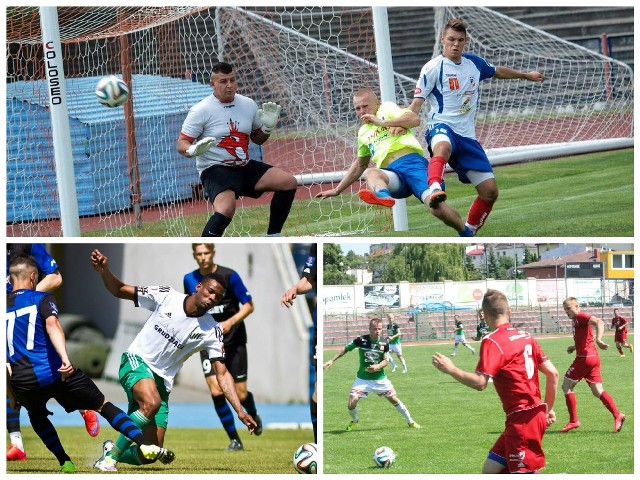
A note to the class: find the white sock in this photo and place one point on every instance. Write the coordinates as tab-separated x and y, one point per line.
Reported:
392	362
16	439
435	186
404	364
403	410
353	413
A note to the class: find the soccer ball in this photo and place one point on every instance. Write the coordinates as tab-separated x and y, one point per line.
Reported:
384	457
112	91
305	458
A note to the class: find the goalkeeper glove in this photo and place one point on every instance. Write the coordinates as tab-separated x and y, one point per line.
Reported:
269	114
202	146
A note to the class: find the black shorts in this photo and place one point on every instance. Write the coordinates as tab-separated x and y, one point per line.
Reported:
77	392
242	180
314	355
235	360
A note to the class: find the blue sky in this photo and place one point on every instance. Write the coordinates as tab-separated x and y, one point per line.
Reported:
358	248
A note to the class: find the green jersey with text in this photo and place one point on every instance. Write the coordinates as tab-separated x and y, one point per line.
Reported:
393	329
375	141
370	353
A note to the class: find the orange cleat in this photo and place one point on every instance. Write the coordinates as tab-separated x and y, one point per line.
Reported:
91	422
373	198
14	453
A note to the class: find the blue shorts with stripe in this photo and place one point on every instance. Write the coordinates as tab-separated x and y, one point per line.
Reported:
412	172
466	153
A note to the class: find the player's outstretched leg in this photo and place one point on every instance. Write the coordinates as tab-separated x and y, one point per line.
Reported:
380	197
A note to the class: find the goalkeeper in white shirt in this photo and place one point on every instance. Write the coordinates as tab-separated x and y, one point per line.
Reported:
178	327
216	132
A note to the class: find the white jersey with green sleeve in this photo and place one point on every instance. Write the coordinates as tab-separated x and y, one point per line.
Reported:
170	336
375	141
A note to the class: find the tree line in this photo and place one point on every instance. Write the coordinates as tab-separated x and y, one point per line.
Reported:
417	263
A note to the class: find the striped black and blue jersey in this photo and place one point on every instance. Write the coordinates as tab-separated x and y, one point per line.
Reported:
33	359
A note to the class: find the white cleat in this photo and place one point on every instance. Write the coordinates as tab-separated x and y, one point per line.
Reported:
106	462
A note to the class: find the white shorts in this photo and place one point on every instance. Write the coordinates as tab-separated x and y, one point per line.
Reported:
395	348
459	339
382	388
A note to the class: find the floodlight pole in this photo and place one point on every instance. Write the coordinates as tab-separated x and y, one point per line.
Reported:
57	91
388	92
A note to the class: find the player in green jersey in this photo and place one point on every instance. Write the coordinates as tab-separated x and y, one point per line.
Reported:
394	334
459	337
482	328
373	351
385	139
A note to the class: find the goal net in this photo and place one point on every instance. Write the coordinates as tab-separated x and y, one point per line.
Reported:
131	181
309	60
586	99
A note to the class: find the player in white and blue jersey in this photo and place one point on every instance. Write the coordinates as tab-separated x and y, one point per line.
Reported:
451	83
39	369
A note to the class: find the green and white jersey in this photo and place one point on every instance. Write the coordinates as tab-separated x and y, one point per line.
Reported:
393	329
370	353
459	329
170	336
375	141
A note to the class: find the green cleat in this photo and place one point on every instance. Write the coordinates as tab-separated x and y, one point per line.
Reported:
352	424
68	467
154	452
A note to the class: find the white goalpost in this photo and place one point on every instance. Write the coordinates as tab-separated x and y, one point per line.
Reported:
584	105
309	60
130	181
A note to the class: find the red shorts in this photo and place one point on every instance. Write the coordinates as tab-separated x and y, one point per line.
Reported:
621	336
587	368
521	443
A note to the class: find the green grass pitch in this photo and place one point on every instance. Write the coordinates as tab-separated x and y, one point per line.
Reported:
198	450
586	195
459	424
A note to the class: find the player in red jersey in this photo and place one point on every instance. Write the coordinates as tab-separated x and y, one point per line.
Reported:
512	358
619	323
586	364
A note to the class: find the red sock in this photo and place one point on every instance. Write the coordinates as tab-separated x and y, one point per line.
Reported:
435	171
478	213
572	406
619	347
608	402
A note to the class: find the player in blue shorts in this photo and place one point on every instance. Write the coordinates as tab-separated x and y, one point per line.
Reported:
385	139
451	83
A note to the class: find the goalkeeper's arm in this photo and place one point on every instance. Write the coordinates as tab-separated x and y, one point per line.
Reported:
188	149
